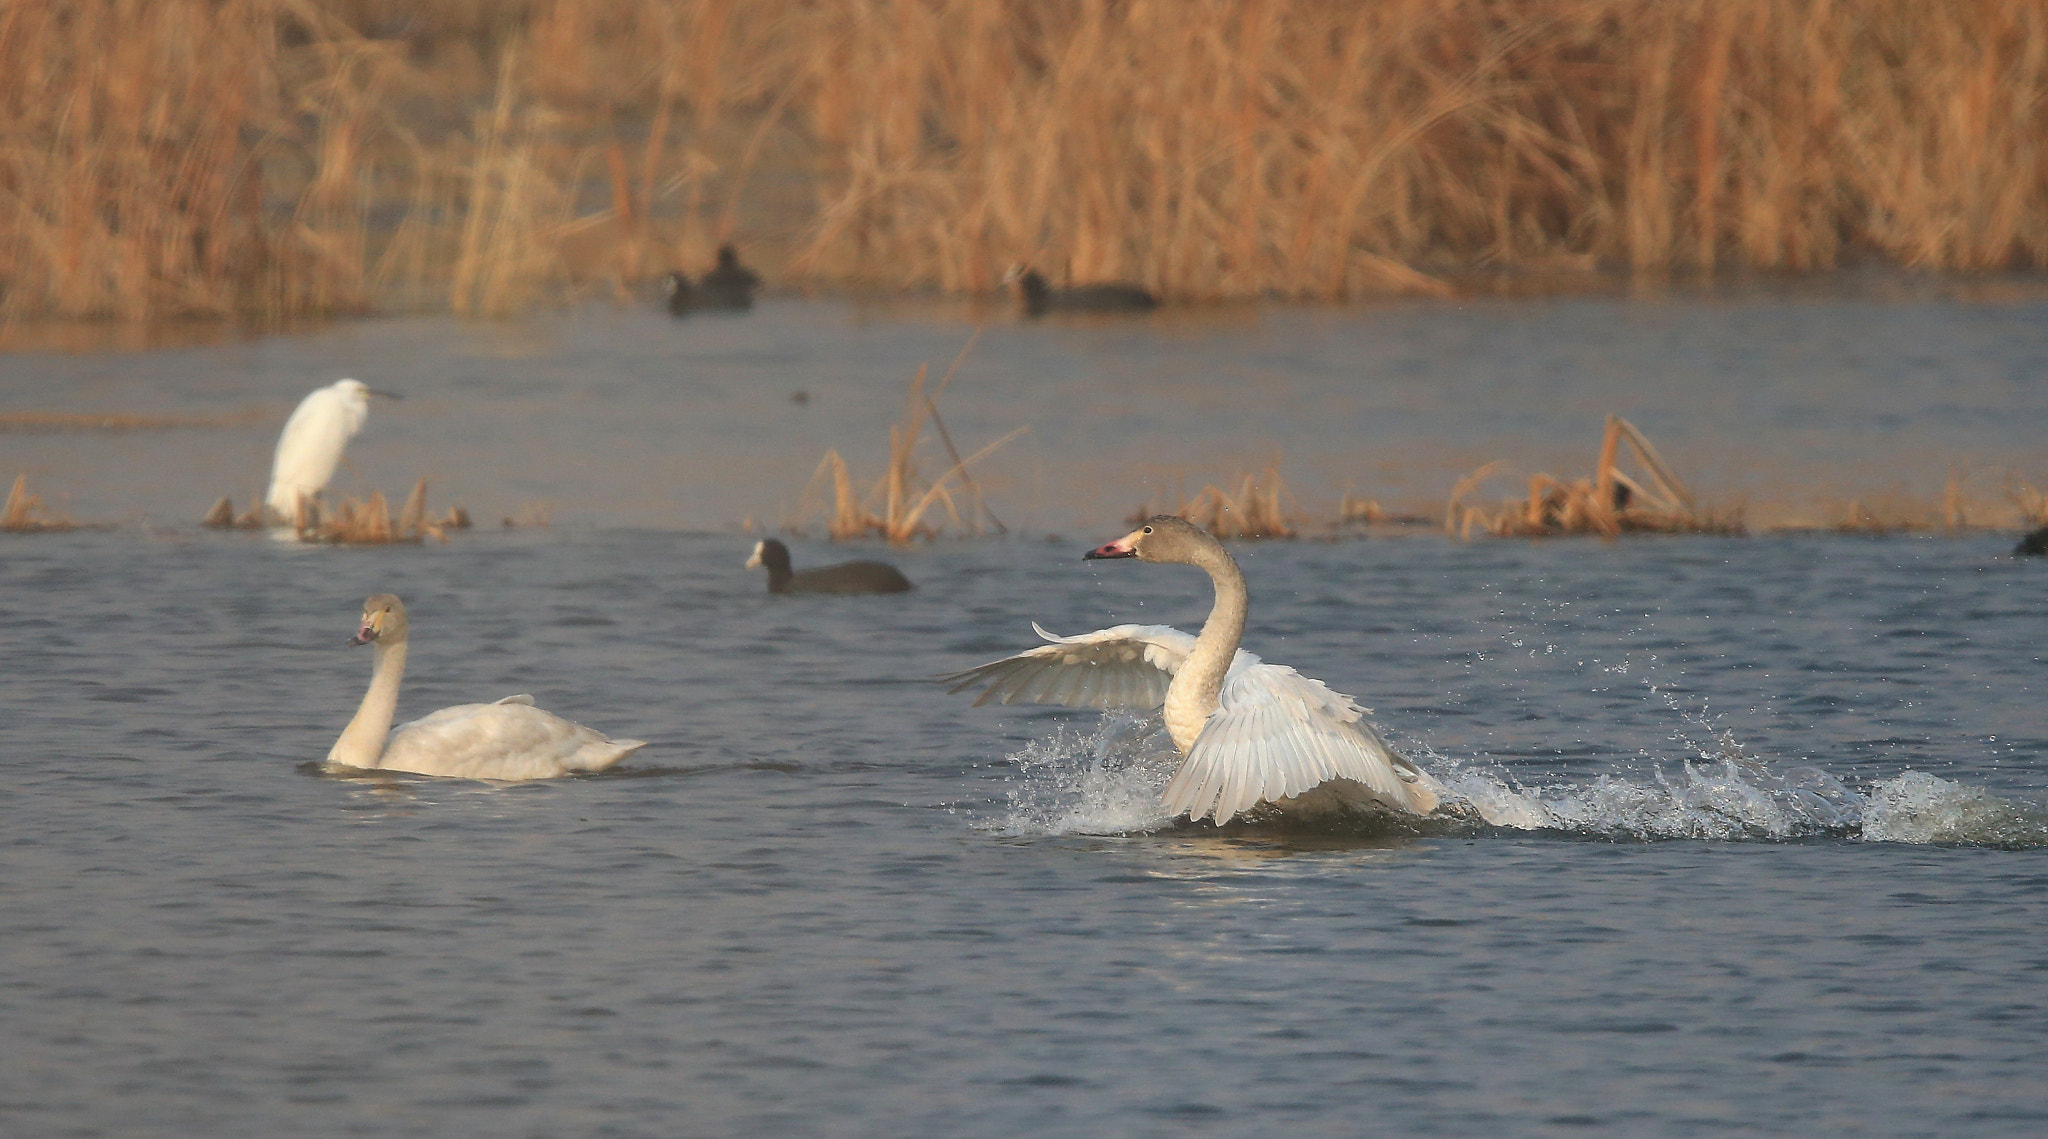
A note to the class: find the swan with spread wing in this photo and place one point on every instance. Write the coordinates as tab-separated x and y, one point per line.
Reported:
1248	732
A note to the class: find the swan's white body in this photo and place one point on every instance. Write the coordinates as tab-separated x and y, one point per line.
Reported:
510	739
310	447
1249	732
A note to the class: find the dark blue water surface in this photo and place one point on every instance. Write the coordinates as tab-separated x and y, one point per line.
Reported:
1791	880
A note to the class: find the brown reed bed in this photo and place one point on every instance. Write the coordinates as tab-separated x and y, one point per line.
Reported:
1259	507
25	513
1643	497
350	521
264	158
897	504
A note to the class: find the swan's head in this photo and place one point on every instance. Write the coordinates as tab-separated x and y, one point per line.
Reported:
1162	538
383	621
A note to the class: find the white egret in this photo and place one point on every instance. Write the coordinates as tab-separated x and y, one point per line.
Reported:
510	739
309	449
1249	732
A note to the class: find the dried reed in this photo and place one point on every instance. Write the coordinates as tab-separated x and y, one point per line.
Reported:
895	506
25	514
262	158
369	522
1254	511
1611	502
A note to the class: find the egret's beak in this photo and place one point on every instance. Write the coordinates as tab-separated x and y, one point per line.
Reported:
1121	548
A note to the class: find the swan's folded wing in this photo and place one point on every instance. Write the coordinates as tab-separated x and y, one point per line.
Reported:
1128	666
1276	733
510	739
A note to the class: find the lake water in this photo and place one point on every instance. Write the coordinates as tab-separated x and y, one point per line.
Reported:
1793	884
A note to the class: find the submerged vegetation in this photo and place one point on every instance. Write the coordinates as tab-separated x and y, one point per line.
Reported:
269	158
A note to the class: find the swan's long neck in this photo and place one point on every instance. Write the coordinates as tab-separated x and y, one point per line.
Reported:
1192	695
362	742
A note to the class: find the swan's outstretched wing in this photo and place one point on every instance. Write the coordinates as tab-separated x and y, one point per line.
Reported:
1277	733
310	447
511	739
1127	666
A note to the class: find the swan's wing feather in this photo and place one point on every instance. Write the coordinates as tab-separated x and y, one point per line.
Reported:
511	739
1277	733
1127	666
522	698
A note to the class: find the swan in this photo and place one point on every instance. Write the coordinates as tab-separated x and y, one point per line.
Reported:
846	577
1109	296
310	447
1248	732
510	739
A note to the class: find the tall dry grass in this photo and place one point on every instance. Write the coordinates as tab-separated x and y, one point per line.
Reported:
1643	496
274	157
896	506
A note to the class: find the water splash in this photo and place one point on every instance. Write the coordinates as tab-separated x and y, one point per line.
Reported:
1109	781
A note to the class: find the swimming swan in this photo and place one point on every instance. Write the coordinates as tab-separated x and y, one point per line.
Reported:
1249	732
511	739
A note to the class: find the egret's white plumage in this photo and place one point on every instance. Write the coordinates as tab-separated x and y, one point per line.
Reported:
314	437
1249	732
510	739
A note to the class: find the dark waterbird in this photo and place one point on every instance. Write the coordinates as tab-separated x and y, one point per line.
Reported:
729	286
1109	296
2034	545
846	577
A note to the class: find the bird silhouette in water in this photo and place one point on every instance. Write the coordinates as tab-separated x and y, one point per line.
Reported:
1040	298
2034	545
728	287
846	577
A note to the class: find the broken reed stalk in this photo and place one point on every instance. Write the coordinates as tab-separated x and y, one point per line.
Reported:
1611	502
894	508
351	522
1255	510
25	514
